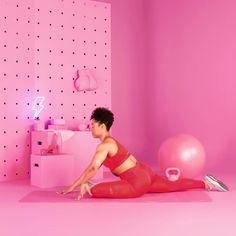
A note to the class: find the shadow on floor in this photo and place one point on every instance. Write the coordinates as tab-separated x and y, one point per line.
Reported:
183	196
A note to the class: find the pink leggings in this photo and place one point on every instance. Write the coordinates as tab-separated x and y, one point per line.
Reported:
139	180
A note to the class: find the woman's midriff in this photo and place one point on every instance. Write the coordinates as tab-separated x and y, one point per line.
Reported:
127	164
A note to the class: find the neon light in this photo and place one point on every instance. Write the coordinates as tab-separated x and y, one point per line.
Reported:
38	106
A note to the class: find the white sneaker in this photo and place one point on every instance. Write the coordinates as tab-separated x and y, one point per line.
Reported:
213	184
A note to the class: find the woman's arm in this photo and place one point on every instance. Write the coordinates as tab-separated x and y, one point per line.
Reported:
91	170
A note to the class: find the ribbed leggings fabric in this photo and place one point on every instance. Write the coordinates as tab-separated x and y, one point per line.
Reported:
139	180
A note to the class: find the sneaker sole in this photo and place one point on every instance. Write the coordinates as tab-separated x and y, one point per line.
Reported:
220	183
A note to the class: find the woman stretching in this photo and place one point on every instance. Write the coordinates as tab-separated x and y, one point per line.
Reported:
136	178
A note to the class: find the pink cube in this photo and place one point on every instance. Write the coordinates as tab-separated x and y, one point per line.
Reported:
83	146
39	125
57	127
79	144
40	140
52	171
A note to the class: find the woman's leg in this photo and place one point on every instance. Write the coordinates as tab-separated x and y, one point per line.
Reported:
162	185
115	189
134	183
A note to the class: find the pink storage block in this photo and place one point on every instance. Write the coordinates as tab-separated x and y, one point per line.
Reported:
57	127
40	140
58	122
83	146
39	125
80	144
52	171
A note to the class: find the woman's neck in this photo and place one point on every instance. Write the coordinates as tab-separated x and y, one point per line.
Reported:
104	136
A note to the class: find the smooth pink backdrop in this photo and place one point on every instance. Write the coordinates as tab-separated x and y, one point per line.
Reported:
173	71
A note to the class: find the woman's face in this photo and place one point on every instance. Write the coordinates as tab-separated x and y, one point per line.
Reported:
96	128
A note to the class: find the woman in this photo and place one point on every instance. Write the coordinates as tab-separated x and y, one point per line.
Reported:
136	178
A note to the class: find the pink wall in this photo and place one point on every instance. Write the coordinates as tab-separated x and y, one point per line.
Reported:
129	78
192	75
43	44
173	63
173	72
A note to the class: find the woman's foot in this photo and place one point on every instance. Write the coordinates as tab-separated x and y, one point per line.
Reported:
213	184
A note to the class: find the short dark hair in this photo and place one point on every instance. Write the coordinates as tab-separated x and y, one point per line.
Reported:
103	116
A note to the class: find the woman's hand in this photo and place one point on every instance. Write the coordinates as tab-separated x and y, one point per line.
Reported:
67	190
83	189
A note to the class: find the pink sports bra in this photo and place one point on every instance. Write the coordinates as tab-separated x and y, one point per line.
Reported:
122	154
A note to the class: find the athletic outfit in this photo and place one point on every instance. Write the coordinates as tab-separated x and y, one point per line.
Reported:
138	180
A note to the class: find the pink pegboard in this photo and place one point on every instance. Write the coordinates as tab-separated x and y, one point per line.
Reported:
43	44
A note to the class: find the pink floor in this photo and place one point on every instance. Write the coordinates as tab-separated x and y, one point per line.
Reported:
27	210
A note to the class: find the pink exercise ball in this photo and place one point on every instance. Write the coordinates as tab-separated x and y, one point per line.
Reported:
182	151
